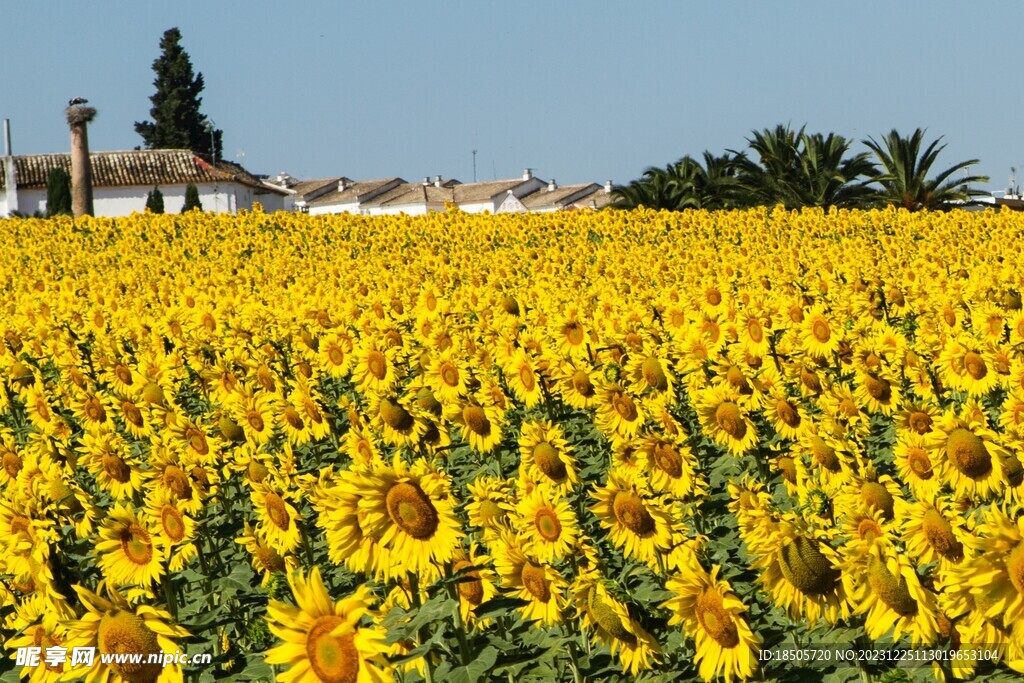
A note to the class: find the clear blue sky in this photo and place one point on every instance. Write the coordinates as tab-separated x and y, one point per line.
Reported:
579	91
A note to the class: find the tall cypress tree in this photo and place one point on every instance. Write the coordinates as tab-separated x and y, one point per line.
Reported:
191	199
58	193
177	122
155	201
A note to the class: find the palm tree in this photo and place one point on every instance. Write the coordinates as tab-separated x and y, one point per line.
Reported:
905	168
686	184
798	169
655	189
713	185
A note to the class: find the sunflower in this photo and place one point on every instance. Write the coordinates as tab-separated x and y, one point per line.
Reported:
669	465
619	415
397	418
375	367
302	399
174	530
411	511
801	571
869	491
753	334
43	624
93	409
995	574
933	530
545	456
830	459
712	615
966	366
864	527
448	376
1011	414
279	520
169	472
265	560
523	379
334	353
636	649
892	597
39	410
915	466
917	417
323	639
481	424
127	552
725	421
539	584
546	524
489	505
570	335
970	455
576	383
195	441
819	336
787	416
257	415
878	393
476	582
361	446
113	627
26	533
637	523
137	419
650	372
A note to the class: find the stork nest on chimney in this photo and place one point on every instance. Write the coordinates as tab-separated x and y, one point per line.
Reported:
79	115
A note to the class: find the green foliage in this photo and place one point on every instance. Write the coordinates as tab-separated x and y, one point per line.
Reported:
155	201
798	169
177	122
58	193
905	168
191	199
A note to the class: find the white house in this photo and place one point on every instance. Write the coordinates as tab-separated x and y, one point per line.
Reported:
479	197
348	196
389	196
557	198
302	192
122	181
413	199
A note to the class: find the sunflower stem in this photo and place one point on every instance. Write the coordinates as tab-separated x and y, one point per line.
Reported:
305	545
460	627
172	603
574	664
414	588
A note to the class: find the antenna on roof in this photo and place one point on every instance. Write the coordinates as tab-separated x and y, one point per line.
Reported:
474	165
1013	181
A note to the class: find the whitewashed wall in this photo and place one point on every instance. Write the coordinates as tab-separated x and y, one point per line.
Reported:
123	201
323	209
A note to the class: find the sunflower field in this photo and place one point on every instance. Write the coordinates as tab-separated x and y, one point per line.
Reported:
583	446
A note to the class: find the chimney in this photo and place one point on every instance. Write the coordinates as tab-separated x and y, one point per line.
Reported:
426	180
341	185
437	181
10	173
527	173
78	118
608	186
552	186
